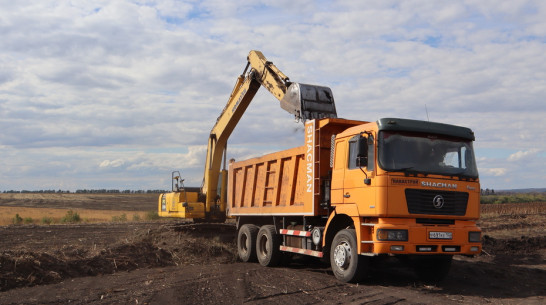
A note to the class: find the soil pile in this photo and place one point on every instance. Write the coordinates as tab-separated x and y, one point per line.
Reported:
146	248
513	246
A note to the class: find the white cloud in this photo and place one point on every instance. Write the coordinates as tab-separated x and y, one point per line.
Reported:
113	163
135	86
522	155
496	172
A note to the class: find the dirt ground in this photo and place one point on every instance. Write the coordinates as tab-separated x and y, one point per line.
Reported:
169	262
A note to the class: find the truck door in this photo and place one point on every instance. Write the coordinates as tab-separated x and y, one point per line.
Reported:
359	171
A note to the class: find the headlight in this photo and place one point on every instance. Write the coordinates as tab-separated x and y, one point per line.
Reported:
474	237
389	234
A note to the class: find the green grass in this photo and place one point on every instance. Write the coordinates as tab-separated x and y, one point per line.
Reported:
513	198
17	220
71	217
47	220
152	215
123	217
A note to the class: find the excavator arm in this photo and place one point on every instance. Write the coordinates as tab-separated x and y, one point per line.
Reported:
303	101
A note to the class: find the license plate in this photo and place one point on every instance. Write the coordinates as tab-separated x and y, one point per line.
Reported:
440	235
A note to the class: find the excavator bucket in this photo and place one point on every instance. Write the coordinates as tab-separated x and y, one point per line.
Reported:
307	102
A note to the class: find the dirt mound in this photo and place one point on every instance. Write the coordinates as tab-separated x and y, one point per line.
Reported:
195	243
20	268
147	248
512	246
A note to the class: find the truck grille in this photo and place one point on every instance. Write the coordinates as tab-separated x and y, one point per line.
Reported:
421	202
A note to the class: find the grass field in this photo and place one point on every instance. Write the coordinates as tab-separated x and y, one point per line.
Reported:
509	220
118	202
489	210
55	216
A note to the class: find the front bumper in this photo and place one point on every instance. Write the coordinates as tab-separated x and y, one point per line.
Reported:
422	239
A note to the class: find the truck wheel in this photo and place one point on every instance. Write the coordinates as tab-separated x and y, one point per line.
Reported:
432	269
267	246
246	239
346	264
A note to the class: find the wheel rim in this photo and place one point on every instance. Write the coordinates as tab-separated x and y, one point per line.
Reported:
244	243
342	255
264	246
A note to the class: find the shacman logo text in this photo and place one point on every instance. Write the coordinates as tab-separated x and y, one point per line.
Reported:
438	185
309	156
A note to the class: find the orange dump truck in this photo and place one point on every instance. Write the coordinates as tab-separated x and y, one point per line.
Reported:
359	190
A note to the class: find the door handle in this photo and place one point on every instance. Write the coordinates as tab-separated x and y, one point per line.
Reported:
347	195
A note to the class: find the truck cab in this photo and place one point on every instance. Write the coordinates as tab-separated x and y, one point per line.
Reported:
410	188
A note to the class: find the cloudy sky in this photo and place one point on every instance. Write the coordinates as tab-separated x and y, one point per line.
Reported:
117	94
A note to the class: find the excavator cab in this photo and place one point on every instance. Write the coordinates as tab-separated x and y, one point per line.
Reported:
307	102
182	202
177	182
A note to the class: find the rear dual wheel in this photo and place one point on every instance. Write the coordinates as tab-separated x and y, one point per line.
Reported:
268	243
246	242
259	243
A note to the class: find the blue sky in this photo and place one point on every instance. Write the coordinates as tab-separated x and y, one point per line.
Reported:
117	94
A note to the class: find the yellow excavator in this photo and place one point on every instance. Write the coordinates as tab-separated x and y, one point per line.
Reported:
208	203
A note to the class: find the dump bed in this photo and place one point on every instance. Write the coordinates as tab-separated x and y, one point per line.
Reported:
288	182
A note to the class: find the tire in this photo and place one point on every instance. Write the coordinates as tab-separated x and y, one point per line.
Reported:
432	269
347	265
246	242
267	246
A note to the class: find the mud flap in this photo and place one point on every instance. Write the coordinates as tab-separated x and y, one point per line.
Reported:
307	102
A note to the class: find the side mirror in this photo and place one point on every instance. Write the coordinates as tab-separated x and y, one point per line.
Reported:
362	153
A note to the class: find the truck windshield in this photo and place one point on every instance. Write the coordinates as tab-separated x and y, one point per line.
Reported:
426	153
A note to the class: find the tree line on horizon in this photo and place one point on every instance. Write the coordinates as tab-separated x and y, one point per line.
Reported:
487	192
86	191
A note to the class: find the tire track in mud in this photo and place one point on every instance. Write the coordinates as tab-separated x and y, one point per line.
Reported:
237	284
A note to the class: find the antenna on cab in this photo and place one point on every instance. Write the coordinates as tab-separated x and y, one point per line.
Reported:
427	112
